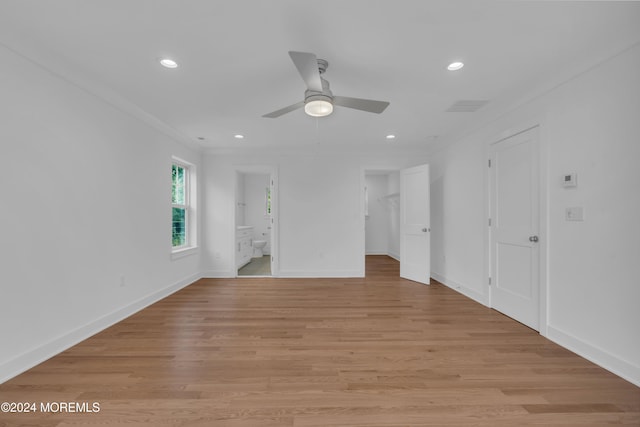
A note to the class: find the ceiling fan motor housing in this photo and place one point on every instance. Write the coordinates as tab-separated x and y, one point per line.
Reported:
325	95
322	65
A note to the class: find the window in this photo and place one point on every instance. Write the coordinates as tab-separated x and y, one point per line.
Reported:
179	204
267	198
182	206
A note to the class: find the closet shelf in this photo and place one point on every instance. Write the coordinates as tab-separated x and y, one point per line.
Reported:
393	199
390	196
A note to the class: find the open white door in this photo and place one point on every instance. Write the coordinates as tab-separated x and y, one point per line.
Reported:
415	232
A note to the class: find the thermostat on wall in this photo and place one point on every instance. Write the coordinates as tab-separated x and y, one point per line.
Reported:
570	180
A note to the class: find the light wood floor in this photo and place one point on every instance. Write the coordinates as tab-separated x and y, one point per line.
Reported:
379	351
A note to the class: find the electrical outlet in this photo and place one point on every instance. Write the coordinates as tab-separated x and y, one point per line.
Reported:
574	214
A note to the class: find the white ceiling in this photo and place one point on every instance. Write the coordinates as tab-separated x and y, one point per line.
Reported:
234	65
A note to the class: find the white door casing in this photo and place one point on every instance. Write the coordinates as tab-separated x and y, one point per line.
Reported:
273	223
415	232
514	215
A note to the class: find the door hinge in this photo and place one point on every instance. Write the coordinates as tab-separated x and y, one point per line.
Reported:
489	281
489	162
271	258
489	222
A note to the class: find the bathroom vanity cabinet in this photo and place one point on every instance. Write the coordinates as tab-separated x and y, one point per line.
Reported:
244	245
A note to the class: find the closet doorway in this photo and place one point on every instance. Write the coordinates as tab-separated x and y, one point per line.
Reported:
397	219
382	213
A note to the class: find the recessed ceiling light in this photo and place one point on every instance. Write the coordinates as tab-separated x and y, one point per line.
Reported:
168	63
391	136
454	66
238	136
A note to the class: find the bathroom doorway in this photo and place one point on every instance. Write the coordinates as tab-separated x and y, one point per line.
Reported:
255	223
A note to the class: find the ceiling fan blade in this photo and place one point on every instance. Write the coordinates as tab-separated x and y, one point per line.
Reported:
361	104
284	110
307	65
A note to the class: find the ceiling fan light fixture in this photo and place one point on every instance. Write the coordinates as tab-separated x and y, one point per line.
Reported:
318	108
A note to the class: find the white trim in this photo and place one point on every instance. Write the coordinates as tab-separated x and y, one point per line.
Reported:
31	358
219	274
459	287
600	357
183	252
328	274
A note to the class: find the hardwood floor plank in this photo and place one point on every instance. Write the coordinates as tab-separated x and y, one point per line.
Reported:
377	351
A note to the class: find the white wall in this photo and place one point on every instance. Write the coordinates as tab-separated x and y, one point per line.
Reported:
321	215
255	186
85	201
458	219
589	126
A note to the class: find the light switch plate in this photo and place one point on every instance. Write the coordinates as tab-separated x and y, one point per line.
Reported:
574	214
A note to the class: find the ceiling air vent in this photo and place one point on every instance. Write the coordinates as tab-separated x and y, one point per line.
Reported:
467	106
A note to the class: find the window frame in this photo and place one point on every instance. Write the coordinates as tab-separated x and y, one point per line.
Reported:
190	244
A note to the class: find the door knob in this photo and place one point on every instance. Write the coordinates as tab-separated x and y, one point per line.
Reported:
533	238
424	230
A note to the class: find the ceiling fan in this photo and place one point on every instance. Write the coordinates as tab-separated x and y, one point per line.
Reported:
318	98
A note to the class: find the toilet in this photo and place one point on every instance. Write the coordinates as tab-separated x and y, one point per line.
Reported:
258	246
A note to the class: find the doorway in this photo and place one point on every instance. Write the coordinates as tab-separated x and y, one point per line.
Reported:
382	213
255	222
396	218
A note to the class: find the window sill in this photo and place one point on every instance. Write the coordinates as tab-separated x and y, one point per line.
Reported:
183	252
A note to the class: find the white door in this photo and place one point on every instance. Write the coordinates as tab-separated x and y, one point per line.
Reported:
514	178
415	232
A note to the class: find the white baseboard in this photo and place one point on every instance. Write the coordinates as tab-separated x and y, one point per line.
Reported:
219	274
458	287
389	254
600	357
28	360
394	256
291	274
326	274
